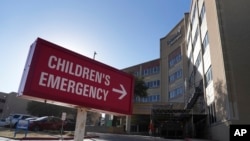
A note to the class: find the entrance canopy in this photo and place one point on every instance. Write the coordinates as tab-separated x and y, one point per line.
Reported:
173	112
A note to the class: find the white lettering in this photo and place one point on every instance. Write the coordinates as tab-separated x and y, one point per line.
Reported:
85	90
42	81
98	77
105	93
60	64
92	75
50	63
92	92
243	131
71	86
107	80
239	132
63	84
85	73
78	71
98	94
71	72
79	88
53	82
66	70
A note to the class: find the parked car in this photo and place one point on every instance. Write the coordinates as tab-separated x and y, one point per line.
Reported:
31	118
46	123
3	122
69	125
13	118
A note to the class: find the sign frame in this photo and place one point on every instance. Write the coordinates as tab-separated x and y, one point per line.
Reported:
116	86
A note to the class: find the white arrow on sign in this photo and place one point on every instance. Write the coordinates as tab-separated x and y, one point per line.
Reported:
122	91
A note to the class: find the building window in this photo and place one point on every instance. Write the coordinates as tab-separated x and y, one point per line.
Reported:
198	60
176	92
176	75
151	70
137	73
205	42
150	98
193	15
191	80
202	14
189	62
209	76
175	60
175	57
153	84
196	36
2	100
189	41
212	113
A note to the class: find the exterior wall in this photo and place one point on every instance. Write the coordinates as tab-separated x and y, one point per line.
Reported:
3	99
225	22
150	72
234	23
211	62
13	104
217	88
173	61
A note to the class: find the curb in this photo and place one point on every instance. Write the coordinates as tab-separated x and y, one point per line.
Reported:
47	138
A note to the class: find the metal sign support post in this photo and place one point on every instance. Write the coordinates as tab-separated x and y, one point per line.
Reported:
80	124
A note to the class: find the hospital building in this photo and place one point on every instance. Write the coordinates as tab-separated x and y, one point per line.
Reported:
199	85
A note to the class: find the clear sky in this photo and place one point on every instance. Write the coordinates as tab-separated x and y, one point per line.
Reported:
122	32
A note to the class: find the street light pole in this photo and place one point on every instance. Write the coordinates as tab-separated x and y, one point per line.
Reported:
94	55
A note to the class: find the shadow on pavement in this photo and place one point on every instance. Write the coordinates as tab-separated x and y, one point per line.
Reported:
7	134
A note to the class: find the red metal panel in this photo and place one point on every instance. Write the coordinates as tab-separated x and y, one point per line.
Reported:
61	75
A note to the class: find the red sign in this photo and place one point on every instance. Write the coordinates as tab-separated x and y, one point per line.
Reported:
57	75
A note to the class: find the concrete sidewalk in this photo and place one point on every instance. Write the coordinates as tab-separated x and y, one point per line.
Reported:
95	137
7	134
45	138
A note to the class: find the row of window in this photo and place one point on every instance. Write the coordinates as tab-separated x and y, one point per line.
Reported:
209	76
205	42
193	15
202	14
191	80
150	98
196	36
153	84
176	92
176	75
204	45
212	113
198	60
150	71
175	60
2	100
137	73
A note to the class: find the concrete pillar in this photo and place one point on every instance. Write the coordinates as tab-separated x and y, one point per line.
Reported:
80	124
128	123
107	119
120	121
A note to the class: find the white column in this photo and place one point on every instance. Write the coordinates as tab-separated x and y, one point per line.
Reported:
80	124
128	123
